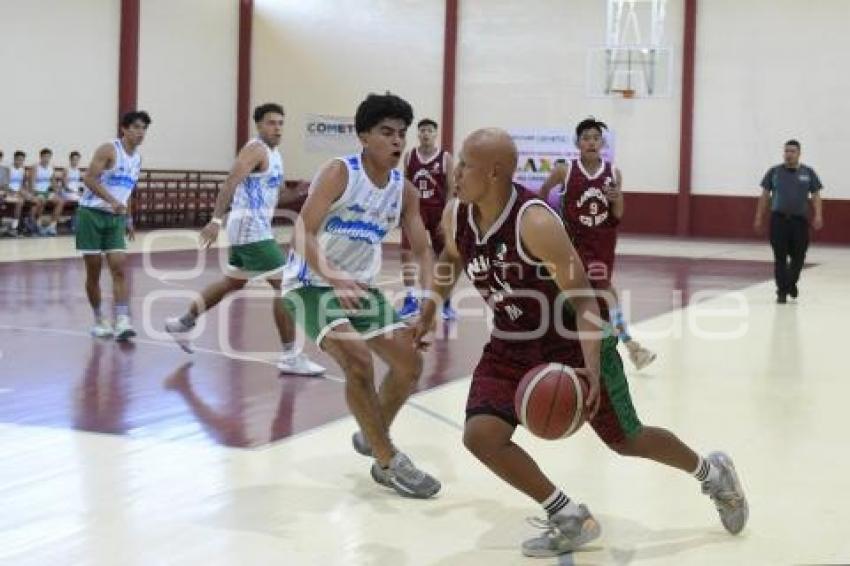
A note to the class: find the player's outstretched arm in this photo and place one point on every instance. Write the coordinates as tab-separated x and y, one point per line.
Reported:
557	177
544	237
414	228
446	272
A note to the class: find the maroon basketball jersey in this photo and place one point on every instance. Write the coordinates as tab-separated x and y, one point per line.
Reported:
519	290
588	218
429	177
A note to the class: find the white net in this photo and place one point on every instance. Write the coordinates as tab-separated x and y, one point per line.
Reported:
635	60
635	23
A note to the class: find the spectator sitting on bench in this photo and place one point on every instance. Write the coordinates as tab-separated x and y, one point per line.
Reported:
4	178
15	193
44	191
72	182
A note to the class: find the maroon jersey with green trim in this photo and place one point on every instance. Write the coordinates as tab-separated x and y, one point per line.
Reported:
530	317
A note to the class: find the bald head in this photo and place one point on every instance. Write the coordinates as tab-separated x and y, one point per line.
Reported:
495	149
485	167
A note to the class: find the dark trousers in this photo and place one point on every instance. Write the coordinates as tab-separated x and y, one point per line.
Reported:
789	237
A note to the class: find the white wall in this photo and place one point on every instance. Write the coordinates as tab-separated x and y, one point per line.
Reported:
187	82
767	71
523	64
325	56
59	76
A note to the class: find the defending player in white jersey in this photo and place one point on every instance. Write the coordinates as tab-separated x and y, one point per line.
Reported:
329	282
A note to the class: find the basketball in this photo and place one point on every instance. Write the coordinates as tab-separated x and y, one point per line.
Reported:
550	401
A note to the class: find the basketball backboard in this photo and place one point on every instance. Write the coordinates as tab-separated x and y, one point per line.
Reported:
635	60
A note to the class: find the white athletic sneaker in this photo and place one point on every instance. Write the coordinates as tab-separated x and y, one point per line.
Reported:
180	332
298	364
640	356
123	329
102	329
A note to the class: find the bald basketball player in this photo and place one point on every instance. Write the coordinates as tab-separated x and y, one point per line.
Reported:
544	311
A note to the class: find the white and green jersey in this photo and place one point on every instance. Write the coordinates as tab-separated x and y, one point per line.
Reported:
255	201
118	181
43	178
16	178
351	233
73	180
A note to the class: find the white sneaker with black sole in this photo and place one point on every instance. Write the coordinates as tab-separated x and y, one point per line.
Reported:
123	329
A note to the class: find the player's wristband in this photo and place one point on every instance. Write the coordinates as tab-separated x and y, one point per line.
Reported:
218	221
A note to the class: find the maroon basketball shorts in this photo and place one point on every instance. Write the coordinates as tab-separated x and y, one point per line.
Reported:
497	377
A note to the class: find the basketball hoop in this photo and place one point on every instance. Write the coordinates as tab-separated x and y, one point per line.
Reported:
624	92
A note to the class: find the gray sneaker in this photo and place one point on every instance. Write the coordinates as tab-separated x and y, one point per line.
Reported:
727	494
405	478
562	534
361	445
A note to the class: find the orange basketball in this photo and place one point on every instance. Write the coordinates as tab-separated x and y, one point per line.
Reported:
550	401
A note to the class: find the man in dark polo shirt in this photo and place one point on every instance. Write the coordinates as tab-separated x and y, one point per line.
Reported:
788	188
